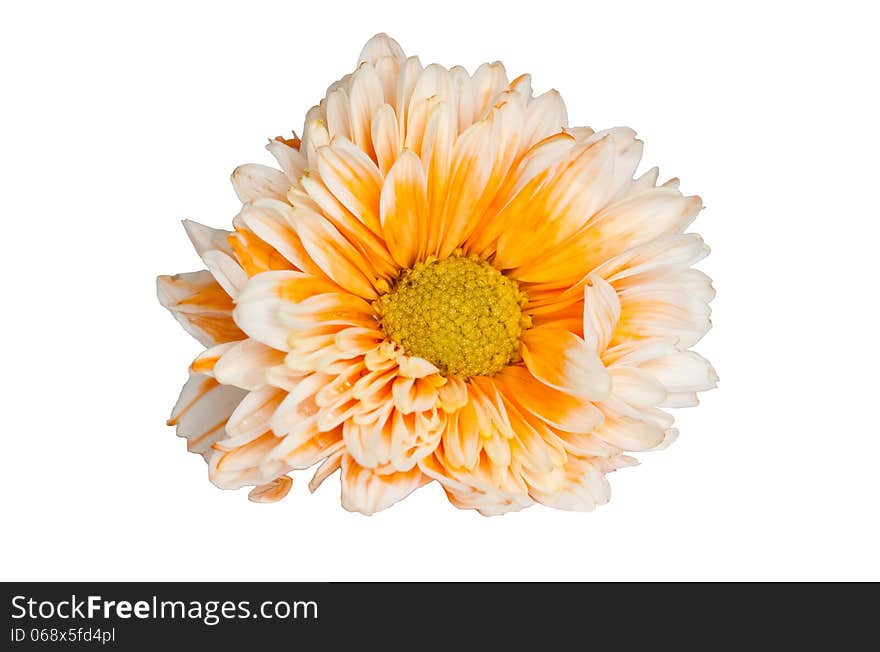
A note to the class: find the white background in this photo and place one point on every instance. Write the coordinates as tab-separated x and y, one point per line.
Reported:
118	121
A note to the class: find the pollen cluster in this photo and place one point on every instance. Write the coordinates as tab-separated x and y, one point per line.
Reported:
460	313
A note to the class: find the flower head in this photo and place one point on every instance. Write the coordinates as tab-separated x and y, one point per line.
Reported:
442	282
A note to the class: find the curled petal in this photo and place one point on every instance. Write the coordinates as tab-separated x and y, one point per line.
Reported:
271	492
411	366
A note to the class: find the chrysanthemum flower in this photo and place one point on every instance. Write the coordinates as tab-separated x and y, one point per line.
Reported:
443	282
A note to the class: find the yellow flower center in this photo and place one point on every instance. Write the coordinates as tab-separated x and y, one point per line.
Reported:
461	314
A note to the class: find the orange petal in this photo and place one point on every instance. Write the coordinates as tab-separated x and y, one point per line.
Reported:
578	187
206	361
331	308
565	362
328	467
558	409
413	394
253	254
271	492
518	189
404	209
368	243
472	167
436	156
200	305
271	220
338	259
461	441
353	178
615	229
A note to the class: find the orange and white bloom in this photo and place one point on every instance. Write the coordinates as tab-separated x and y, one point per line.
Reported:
442	282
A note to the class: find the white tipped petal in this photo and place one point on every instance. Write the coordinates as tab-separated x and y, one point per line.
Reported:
562	360
402	165
367	492
258	309
200	305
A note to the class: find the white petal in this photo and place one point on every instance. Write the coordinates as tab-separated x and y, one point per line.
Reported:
245	364
253	415
631	434
226	270
258	308
206	238
254	181
545	116
291	160
381	45
683	372
601	312
200	305
202	410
